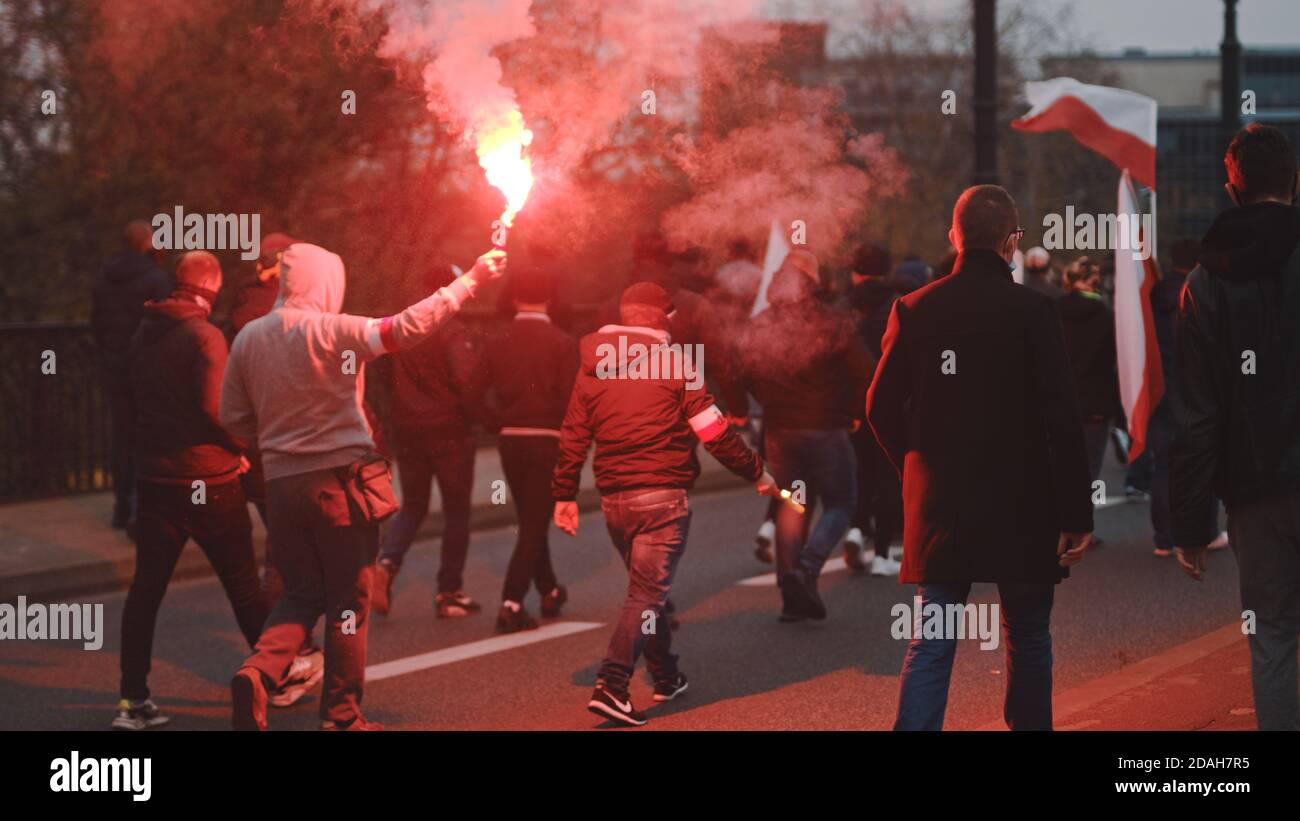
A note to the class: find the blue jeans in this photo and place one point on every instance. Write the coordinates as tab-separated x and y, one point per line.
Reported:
649	529
825	462
927	667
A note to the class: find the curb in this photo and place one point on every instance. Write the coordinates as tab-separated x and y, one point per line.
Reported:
111	575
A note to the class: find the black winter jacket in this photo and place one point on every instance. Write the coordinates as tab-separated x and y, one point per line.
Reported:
1089	328
121	288
177	362
531	367
1237	409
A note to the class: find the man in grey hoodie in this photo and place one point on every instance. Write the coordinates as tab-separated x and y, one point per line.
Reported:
295	382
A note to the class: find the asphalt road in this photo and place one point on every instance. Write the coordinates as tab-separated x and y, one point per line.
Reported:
747	670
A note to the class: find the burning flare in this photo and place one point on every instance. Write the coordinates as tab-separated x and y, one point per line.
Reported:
501	152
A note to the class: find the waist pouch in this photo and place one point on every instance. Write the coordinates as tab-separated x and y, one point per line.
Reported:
368	486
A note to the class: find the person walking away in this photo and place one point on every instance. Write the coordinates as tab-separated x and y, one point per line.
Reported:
806	365
879	513
971	362
432	386
1237	410
295	380
189	466
531	369
127	281
1089	328
645	428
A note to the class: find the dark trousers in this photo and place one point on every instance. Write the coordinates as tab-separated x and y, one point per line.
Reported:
1096	433
115	381
419	461
824	461
1160	436
327	564
1265	535
649	529
880	494
927	667
528	462
168	517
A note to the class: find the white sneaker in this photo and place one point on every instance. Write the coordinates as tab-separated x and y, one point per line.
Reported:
1220	542
854	537
880	566
896	552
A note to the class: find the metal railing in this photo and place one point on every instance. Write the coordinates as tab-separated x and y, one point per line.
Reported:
55	430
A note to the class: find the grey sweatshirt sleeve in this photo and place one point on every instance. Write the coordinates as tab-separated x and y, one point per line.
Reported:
375	337
236	410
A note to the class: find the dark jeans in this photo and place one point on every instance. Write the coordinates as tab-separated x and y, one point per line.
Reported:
649	529
528	462
1096	433
327	564
1265	535
1160	437
115	381
824	461
880	494
419	461
167	519
927	667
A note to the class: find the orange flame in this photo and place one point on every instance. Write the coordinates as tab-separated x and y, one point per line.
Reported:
501	153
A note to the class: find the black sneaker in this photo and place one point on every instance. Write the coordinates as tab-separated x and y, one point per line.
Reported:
802	590
615	707
455	605
670	689
355	725
513	621
139	715
553	601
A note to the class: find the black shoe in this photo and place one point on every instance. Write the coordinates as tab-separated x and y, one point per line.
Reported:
670	689
615	707
788	615
803	597
513	621
248	700
553	601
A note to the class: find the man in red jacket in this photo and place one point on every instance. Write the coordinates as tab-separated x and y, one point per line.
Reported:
645	422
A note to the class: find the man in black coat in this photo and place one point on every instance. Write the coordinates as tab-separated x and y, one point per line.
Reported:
1237	407
121	288
971	362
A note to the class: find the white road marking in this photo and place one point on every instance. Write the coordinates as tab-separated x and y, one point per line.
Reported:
474	649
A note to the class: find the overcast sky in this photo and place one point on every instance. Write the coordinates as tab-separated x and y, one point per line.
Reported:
1157	25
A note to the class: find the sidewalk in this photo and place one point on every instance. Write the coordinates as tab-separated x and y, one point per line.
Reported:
1202	684
61	547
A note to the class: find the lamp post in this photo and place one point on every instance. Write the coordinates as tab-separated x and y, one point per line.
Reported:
986	99
1229	74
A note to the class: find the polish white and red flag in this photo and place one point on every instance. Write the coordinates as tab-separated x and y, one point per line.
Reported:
1141	378
1120	125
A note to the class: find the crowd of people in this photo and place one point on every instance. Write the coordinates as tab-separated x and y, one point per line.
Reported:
965	411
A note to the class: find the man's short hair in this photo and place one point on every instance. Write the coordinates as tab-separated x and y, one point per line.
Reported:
1261	163
983	218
